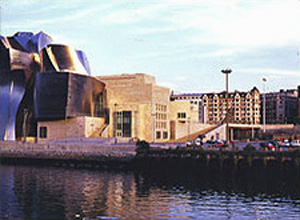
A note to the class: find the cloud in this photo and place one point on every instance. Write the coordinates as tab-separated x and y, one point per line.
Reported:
132	15
271	23
168	84
181	78
40	18
269	72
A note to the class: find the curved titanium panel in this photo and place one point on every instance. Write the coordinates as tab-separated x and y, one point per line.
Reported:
83	95
50	95
47	82
12	89
58	95
28	42
61	58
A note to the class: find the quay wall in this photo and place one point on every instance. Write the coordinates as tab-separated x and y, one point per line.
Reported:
153	159
66	153
224	162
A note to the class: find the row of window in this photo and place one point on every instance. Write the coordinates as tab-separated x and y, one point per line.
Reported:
221	105
237	99
160	108
187	97
236	109
161	135
229	100
160	116
214	119
159	124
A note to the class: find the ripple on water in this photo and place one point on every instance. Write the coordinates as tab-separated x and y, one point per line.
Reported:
39	193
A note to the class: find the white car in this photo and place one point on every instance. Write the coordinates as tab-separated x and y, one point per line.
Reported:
295	143
286	143
198	142
189	143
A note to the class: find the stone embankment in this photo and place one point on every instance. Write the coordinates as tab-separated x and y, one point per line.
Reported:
75	153
93	153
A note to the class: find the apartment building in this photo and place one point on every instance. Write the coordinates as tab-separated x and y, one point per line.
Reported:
281	107
243	107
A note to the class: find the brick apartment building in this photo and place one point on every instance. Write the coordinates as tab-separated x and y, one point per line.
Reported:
243	107
281	107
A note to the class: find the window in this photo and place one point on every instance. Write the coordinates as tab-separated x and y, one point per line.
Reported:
158	135
181	115
165	135
43	132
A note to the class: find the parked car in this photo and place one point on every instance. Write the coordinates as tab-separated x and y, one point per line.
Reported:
295	143
198	142
189	143
285	143
268	145
219	143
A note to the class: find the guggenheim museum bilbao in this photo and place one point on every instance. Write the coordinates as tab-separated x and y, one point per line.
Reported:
47	93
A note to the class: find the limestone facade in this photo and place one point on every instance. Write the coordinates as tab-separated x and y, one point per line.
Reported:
138	108
72	128
185	119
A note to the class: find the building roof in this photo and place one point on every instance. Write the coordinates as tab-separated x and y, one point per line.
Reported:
220	94
187	94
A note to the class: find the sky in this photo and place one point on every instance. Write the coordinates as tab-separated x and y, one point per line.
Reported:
183	43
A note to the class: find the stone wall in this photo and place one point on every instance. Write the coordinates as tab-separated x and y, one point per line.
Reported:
67	151
79	127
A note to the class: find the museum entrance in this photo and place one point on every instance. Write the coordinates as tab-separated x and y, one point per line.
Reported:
122	124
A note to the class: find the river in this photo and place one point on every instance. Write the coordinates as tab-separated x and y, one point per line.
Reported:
38	193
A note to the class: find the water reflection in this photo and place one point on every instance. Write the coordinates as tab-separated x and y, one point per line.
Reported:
60	193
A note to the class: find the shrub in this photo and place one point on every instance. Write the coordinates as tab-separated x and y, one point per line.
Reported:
142	145
249	147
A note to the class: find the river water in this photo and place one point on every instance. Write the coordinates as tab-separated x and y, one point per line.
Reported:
31	192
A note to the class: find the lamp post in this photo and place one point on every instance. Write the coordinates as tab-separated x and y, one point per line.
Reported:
115	121
226	72
264	80
189	128
153	126
24	126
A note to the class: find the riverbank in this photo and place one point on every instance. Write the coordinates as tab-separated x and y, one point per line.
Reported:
68	153
153	159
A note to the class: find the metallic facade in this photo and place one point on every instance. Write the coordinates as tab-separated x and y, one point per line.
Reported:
42	81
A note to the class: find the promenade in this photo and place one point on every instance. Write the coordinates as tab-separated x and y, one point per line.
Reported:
68	152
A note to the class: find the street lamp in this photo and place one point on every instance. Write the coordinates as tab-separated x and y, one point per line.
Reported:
24	126
153	126
115	121
264	80
189	128
226	72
